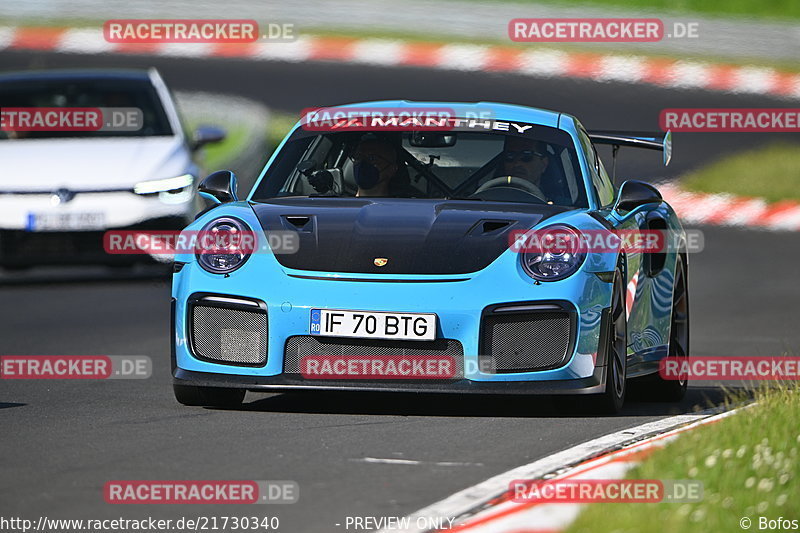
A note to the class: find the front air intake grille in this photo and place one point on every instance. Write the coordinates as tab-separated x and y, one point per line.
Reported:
526	341
301	346
231	335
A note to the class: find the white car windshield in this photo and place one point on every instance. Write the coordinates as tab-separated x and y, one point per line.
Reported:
83	93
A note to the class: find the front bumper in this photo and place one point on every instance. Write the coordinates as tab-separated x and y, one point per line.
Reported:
23	245
120	209
460	303
593	384
29	248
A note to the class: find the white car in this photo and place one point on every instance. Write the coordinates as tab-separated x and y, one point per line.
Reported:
60	191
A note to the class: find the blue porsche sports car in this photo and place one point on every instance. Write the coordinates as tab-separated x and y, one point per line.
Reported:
387	259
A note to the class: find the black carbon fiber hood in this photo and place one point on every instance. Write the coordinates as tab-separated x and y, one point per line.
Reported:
416	236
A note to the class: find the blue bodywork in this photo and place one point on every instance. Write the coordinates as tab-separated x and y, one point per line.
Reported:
457	299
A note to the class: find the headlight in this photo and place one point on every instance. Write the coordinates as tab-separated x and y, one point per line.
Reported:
168	184
222	246
553	253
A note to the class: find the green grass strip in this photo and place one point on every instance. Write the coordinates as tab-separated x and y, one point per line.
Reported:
771	172
748	464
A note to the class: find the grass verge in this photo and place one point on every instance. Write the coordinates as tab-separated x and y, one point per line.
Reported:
786	10
747	464
773	9
280	124
771	172
219	155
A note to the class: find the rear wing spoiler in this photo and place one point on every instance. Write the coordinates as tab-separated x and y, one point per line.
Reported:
651	141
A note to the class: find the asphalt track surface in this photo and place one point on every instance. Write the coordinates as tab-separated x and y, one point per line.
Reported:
62	440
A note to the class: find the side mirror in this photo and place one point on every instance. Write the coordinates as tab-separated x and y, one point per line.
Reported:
219	187
635	193
206	135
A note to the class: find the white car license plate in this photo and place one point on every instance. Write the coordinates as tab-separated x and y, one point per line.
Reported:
373	324
81	221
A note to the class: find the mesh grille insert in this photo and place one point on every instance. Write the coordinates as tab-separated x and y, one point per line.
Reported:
301	346
230	336
525	342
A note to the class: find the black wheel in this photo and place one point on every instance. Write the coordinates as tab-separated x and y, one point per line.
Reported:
617	351
657	388
208	396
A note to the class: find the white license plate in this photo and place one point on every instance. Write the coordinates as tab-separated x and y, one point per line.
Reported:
81	221
373	324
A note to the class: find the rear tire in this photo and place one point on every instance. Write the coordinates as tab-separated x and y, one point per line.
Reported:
208	396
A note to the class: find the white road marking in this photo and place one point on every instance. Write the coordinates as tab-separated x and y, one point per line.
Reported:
468	500
622	68
378	52
509	516
412	462
690	74
84	41
544	63
755	80
297	51
463	56
6	36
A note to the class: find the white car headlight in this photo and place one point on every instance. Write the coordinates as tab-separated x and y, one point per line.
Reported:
222	245
163	185
558	254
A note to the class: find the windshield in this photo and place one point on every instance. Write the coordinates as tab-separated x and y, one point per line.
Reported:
539	165
90	93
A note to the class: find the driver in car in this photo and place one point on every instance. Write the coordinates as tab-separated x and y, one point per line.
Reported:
525	158
378	170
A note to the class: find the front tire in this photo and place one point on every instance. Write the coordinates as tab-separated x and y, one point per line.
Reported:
612	400
208	396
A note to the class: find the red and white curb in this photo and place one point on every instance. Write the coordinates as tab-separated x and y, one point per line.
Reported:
694	208
542	62
729	210
631	294
488	508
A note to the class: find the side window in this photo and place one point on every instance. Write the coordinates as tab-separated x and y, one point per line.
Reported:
600	180
608	183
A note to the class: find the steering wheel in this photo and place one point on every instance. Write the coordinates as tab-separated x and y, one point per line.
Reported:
513	182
